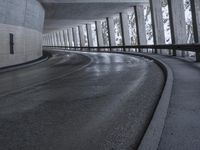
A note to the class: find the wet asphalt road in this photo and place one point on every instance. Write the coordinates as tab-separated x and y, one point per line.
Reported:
78	102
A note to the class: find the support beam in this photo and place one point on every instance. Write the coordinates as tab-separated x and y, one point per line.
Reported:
111	33
195	8
75	36
177	24
89	35
81	35
126	40
70	37
157	23
99	33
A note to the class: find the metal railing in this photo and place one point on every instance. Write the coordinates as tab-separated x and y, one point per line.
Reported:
170	49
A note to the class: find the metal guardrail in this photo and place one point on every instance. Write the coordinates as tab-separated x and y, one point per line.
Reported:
139	48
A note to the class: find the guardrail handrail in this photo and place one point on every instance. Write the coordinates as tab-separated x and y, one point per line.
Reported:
172	47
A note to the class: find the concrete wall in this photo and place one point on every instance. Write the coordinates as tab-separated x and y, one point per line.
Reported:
24	19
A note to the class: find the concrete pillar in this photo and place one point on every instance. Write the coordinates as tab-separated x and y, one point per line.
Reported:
99	34
195	8
55	39
70	37
50	43
47	39
44	40
66	38
89	35
81	35
126	40
62	38
75	36
140	25
51	40
177	23
111	33
157	23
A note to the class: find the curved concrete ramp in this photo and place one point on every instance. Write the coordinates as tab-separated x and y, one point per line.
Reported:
84	101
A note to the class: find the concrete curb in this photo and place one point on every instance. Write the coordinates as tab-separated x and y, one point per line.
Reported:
152	136
24	65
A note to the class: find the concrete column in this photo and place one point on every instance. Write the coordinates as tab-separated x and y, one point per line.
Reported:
46	39
111	33
70	37
99	33
157	23
89	35
62	38
49	37
140	25
75	36
55	39
177	23
81	35
66	38
125	29
195	8
48	42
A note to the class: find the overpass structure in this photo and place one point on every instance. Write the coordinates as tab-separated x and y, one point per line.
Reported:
66	102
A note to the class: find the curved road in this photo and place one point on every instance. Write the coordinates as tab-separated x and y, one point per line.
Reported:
74	101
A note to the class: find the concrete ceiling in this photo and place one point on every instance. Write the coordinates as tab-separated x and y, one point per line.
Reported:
68	13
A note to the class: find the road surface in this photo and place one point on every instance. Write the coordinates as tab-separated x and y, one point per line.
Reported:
85	101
